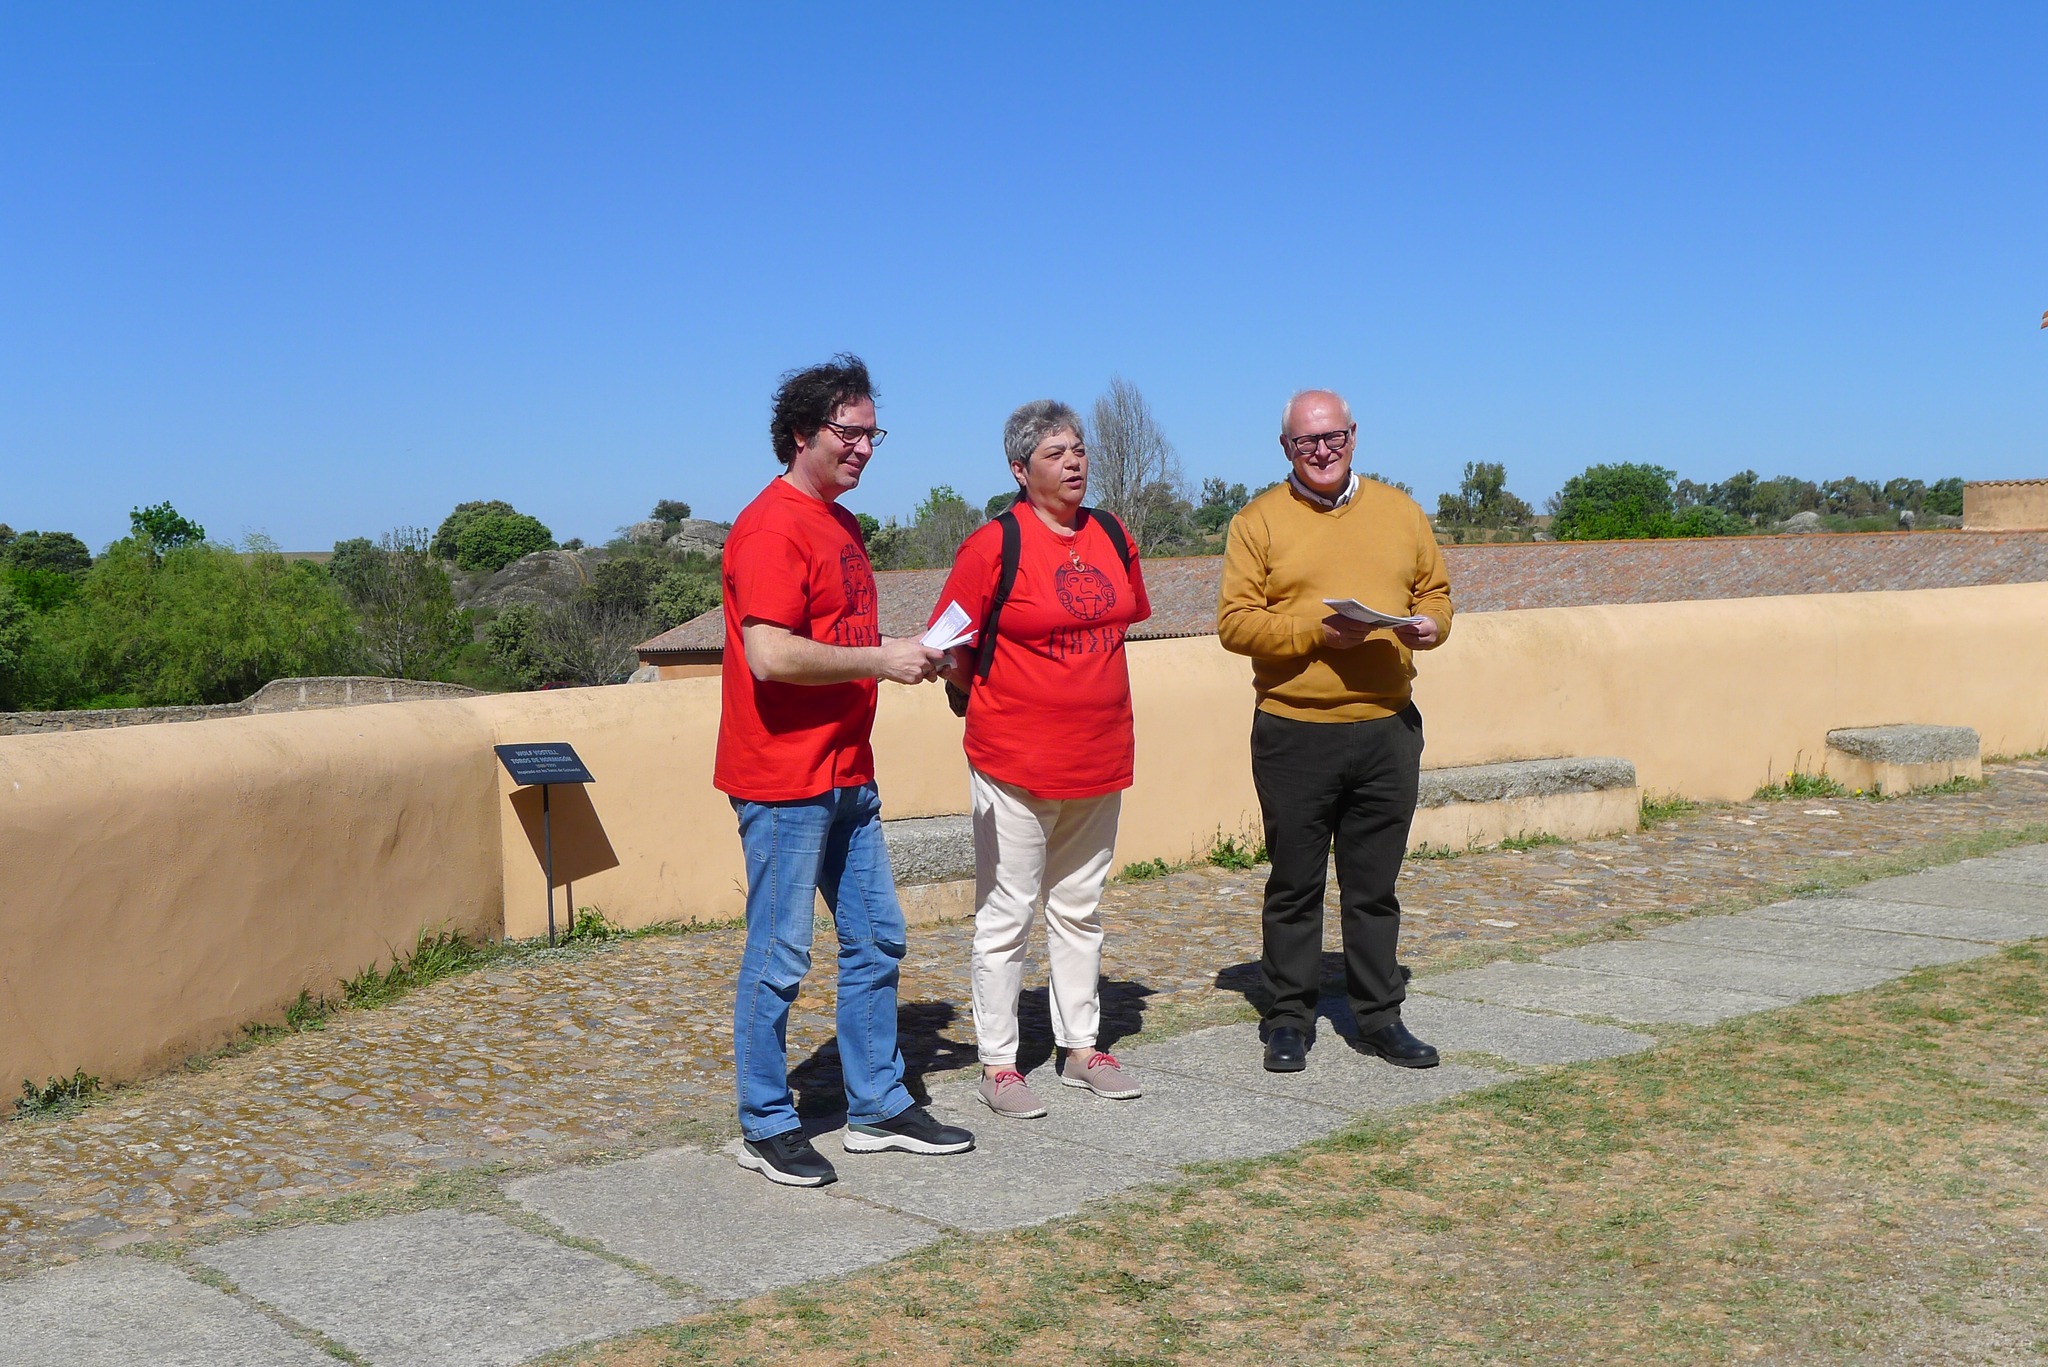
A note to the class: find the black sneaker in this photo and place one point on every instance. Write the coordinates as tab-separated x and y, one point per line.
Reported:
787	1159
912	1130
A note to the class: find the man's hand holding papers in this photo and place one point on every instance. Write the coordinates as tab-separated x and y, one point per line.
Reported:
1350	622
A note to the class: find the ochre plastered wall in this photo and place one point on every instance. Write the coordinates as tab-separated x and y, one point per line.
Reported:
162	885
2006	505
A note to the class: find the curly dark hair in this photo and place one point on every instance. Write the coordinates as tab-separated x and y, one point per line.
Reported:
807	398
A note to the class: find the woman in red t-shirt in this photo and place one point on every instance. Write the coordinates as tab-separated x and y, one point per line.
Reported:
1048	748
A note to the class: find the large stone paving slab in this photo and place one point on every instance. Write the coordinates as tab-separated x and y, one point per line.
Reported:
1184	1119
2001	868
1018	1173
1807	940
1770	975
1523	1037
1337	1075
1945	888
441	1289
123	1312
702	1219
1907	918
1582	992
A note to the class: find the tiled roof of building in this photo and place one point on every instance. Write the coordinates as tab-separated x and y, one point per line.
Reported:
1502	578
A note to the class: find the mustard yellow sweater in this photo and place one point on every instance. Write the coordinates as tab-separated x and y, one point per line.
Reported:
1286	555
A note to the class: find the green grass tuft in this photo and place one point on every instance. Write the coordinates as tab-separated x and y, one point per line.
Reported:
1653	811
1518	843
1145	869
1801	785
1428	851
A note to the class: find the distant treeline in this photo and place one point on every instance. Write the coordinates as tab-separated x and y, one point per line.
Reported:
164	616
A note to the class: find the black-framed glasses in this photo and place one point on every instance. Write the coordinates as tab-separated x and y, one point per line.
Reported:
852	435
1337	442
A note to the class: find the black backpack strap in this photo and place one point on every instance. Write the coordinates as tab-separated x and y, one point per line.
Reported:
1114	530
1006	580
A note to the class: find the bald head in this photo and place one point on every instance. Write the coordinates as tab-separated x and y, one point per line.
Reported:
1295	419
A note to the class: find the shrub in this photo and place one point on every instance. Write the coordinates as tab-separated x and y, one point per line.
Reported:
683	593
491	541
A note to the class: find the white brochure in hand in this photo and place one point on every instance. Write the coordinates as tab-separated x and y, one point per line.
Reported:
1359	612
952	629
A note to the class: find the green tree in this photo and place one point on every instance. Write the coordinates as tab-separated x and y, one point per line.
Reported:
1706	520
1945	497
1483	501
6	535
671	513
200	624
997	504
687	590
451	526
514	640
939	525
491	541
404	602
1220	502
58	552
1613	503
1387	480
163	528
15	626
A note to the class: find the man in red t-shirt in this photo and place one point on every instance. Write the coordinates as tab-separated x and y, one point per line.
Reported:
802	654
1049	745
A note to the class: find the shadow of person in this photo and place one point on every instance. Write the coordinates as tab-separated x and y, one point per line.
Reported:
922	1035
1332	1003
1123	1015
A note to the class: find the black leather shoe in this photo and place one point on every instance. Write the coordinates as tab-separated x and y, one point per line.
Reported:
1395	1043
1286	1050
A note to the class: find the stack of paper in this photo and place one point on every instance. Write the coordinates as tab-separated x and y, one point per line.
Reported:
951	629
1359	612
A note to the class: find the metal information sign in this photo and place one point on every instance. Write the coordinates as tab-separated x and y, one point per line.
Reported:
545	764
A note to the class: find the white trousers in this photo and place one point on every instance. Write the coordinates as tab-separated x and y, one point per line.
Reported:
1027	850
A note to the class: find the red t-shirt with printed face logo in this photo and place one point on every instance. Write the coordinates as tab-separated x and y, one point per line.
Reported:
798	562
1054	715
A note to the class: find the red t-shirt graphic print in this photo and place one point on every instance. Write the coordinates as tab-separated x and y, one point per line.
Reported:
1054	715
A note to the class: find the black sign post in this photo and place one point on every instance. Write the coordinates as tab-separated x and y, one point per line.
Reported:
545	764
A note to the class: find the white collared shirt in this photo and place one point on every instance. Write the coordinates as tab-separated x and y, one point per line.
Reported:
1319	500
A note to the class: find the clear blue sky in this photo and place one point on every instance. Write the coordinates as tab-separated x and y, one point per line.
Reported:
320	270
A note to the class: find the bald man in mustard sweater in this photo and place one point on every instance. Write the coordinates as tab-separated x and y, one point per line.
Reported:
1336	742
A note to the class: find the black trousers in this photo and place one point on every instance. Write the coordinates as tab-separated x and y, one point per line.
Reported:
1351	785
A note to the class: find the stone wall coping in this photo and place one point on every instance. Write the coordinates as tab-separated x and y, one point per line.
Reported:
1906	744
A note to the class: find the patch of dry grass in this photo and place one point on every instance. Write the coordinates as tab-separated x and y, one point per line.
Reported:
1856	1180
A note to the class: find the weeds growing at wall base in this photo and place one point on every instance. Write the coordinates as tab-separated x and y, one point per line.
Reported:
1653	810
1800	785
58	1096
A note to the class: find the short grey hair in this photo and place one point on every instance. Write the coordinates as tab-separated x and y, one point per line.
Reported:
1033	423
1300	394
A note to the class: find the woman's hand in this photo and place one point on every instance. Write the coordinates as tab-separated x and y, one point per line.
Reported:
958	665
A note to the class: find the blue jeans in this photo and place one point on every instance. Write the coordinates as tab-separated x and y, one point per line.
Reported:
831	843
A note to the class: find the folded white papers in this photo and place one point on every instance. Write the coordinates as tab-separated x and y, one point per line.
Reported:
952	629
1359	612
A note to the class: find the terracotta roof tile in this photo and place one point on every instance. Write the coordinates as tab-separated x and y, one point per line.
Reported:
1503	578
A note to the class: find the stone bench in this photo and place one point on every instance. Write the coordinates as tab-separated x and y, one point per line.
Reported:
933	860
1573	798
1898	759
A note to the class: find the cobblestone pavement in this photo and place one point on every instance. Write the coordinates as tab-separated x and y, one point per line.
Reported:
623	1048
